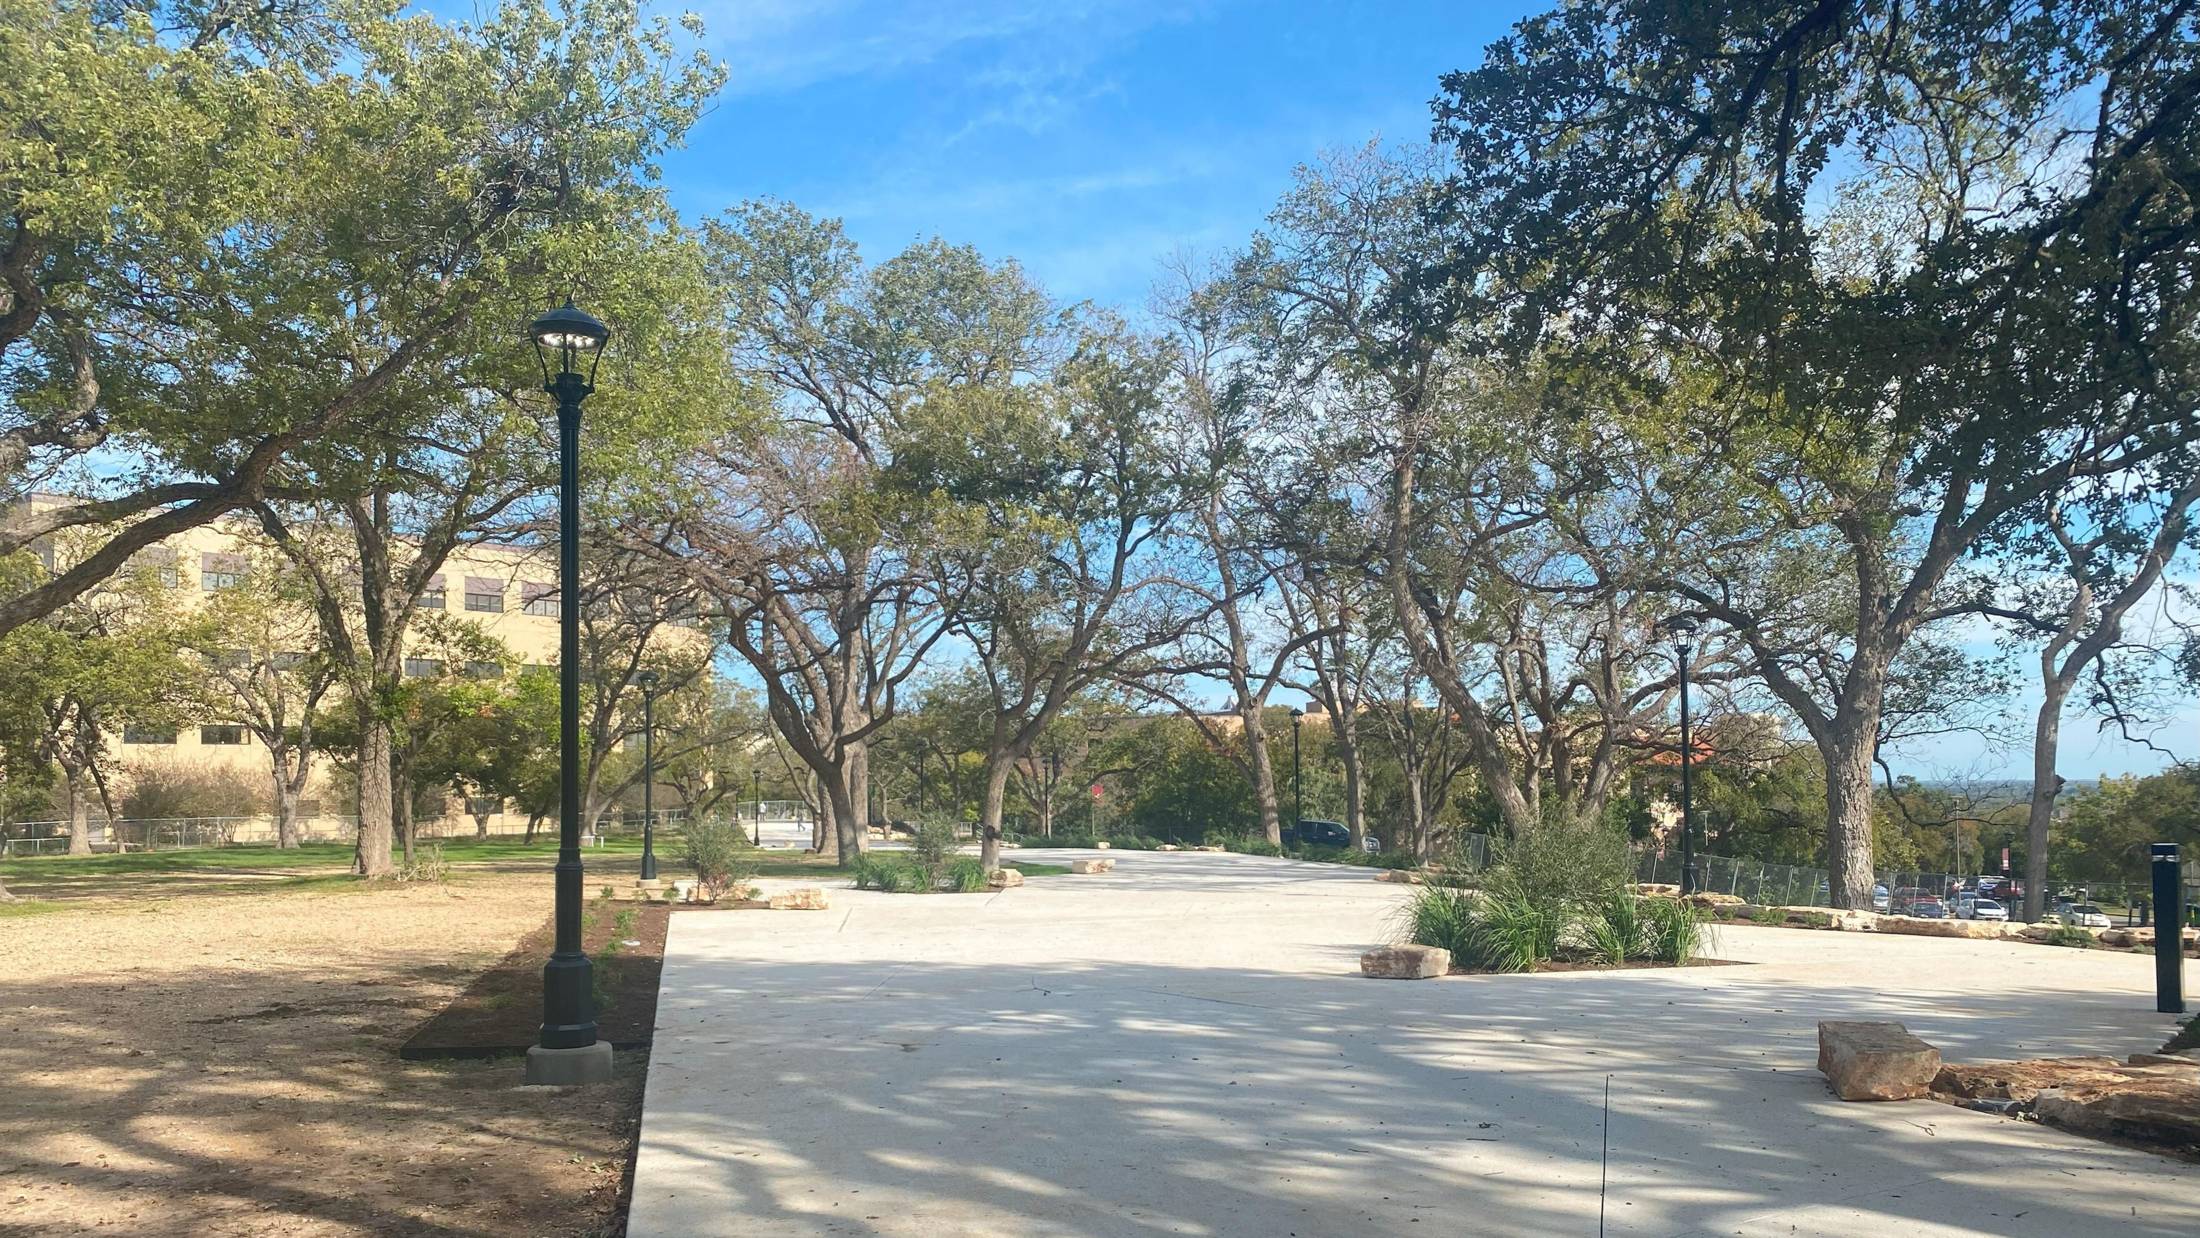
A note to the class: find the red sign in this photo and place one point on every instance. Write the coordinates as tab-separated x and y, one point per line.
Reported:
1096	790
2005	859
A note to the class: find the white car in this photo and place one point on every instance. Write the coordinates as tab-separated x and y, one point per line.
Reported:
1988	909
2085	915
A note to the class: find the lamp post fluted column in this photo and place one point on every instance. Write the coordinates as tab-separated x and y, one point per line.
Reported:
648	682
1298	781
568	1050
1683	627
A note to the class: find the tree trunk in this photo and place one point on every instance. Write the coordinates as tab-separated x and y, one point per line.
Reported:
2046	738
372	858
80	814
858	765
284	812
1344	732
1264	775
845	837
989	815
403	805
286	803
1848	752
481	825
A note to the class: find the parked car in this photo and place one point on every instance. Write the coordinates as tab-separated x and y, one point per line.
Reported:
1988	909
1929	909
1880	898
1316	833
2085	915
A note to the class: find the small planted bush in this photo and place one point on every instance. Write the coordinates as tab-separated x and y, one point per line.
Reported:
1440	916
1769	915
1675	931
2071	935
718	852
1616	931
1515	930
966	875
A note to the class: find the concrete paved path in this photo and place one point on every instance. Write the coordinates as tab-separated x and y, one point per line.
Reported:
1184	1047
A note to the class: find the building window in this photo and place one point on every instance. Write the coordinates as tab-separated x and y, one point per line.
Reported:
484	670
422	668
232	659
547	607
221	734
493	602
431	598
211	580
148	735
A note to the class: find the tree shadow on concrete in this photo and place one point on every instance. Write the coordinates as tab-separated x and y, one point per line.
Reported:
913	1097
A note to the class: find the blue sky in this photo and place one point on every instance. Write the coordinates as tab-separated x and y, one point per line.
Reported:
1090	141
1086	140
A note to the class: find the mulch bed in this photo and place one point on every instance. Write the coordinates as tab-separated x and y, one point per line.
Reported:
1553	965
500	1013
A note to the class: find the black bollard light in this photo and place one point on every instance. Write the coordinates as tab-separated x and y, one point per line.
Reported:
2169	929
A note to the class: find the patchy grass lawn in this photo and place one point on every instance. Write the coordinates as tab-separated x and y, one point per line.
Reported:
201	1060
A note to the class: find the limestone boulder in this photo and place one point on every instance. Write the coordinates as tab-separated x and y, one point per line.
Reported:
1092	866
1403	876
1101	845
1875	1061
2155	1109
801	898
1168	847
1004	879
2024	1079
1408	962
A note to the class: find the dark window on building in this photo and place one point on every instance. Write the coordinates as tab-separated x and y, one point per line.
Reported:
484	601
484	670
148	735
422	668
431	598
221	734
210	580
547	607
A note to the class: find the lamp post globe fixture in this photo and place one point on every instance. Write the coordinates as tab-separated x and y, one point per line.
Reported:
647	681
568	344
1682	628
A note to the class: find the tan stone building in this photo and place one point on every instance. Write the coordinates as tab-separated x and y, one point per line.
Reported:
505	593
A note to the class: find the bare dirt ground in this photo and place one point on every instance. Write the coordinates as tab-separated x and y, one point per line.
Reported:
222	1062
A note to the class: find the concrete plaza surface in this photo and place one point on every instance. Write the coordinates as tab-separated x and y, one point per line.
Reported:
1183	1046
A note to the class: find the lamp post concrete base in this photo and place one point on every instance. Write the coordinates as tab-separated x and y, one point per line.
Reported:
569	1067
652	887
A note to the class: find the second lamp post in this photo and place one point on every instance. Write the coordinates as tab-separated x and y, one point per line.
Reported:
1683	629
647	681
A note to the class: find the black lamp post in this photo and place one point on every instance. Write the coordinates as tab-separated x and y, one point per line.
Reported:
1298	784
647	681
568	344
1683	627
756	804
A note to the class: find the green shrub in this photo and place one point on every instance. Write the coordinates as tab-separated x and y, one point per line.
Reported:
1513	930
1769	915
966	875
1812	919
889	874
2071	935
1253	846
1567	860
1440	916
1615	932
1674	931
427	865
931	848
718	851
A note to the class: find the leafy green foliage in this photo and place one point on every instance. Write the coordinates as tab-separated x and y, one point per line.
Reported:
717	849
1675	930
1616	930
